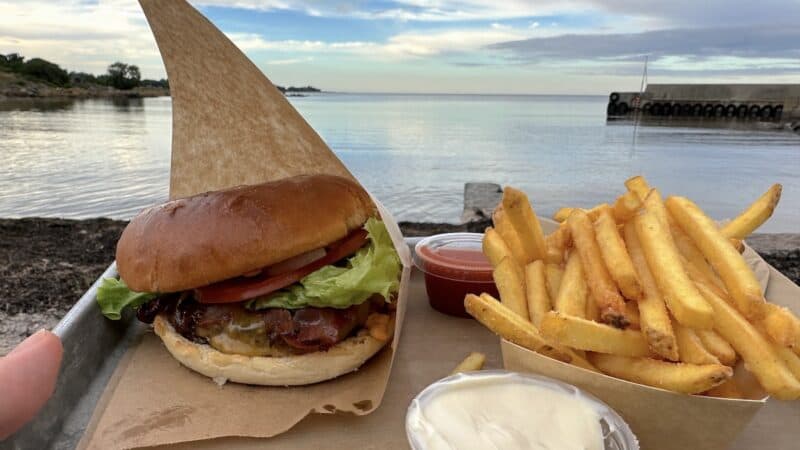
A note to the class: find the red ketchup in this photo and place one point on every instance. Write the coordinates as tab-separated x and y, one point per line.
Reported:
454	266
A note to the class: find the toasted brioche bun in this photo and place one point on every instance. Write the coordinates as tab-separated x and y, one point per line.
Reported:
199	240
295	370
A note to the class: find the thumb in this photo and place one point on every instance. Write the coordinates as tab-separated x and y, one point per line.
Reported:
27	378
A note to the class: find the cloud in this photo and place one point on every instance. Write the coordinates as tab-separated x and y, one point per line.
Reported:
742	42
707	13
651	14
681	36
80	35
449	41
410	10
284	62
402	45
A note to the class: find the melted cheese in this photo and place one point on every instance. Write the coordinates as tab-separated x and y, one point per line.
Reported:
227	343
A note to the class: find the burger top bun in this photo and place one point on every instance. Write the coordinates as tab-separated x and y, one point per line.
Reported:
210	237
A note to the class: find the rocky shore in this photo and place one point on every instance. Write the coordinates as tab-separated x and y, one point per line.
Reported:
47	264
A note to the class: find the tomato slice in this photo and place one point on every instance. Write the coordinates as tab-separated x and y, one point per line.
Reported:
243	288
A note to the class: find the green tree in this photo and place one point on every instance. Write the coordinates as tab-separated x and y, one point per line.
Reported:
162	83
81	78
41	69
123	76
12	61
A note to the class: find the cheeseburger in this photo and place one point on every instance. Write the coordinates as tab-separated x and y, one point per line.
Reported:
288	282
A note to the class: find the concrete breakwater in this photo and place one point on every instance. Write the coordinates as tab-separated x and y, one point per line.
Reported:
763	105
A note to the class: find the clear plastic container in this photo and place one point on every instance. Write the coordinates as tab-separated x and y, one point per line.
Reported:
616	433
454	266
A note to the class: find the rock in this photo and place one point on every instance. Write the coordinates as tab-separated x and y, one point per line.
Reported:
480	199
768	243
416	229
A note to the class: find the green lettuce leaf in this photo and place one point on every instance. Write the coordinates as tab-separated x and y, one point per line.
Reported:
113	296
374	269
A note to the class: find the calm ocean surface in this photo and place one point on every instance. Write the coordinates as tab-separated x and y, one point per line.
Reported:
93	158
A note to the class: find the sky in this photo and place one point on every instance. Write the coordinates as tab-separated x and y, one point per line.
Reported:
442	46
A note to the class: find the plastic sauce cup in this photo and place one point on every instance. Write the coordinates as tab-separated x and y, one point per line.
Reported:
616	434
454	266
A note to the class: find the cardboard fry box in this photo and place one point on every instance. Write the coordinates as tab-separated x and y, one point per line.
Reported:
661	419
231	127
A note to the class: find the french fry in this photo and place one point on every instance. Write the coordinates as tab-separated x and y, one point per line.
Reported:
495	247
592	311
789	358
522	217
571	298
536	285
664	262
588	335
693	255
473	361
738	277
712	281
507	324
616	256
653	317
717	346
562	214
557	243
728	389
626	206
678	377
755	214
756	351
737	244
690	347
655	204
782	326
509	235
553	273
632	313
601	285
510	282
638	185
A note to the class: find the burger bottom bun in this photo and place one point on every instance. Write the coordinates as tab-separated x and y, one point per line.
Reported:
295	370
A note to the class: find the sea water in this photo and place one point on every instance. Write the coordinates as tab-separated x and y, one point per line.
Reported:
101	157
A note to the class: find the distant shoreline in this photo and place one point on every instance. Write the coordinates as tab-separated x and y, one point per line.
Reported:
15	87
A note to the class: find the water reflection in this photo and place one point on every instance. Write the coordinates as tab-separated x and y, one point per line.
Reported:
36	104
127	103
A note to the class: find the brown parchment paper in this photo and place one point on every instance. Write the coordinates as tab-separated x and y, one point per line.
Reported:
664	420
231	126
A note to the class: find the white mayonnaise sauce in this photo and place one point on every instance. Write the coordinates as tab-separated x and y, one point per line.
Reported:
505	414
